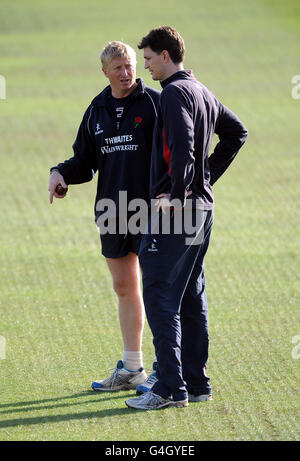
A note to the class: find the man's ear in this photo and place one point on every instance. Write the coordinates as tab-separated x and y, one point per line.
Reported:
166	56
104	71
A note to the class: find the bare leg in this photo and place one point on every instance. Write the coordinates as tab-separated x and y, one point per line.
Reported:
126	282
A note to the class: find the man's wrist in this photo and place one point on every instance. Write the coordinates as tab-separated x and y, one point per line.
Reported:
54	169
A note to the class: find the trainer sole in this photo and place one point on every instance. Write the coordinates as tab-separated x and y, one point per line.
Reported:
163	405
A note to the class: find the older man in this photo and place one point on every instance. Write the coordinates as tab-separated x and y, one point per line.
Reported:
115	139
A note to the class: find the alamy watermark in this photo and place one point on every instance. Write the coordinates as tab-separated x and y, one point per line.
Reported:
296	89
2	87
137	216
296	349
2	348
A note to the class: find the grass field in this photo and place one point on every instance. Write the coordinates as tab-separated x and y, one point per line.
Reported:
58	324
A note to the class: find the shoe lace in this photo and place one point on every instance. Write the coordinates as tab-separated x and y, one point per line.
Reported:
150	398
151	378
112	378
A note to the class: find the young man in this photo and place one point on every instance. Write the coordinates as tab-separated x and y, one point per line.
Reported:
115	138
181	173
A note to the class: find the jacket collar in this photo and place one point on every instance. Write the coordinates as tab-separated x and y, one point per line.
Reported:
180	75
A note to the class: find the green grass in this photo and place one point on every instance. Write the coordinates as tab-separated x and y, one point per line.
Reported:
58	309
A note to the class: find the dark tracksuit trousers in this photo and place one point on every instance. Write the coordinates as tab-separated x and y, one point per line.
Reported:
176	308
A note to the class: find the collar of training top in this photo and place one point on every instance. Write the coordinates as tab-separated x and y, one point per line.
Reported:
180	75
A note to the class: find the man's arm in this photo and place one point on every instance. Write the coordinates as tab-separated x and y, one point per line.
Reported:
81	167
232	135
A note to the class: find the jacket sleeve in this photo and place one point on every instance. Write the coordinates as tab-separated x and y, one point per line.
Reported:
232	135
82	166
179	137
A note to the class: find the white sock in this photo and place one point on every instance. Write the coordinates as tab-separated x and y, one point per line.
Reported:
132	360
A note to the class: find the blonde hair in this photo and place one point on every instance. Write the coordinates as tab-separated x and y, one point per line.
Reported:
117	50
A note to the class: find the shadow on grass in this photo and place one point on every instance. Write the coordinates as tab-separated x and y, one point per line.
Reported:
32	405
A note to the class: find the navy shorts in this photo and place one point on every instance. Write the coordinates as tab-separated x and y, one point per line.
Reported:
121	242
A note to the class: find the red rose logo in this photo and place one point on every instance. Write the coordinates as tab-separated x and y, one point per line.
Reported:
137	121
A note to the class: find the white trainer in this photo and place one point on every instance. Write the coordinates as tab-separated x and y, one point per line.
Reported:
151	401
150	381
121	379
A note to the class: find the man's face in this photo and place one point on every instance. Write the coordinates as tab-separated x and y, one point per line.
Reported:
121	74
155	63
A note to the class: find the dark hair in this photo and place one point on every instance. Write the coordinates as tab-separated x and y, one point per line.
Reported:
165	38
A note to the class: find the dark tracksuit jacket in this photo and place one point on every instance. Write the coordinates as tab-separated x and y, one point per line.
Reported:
119	148
188	116
173	271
